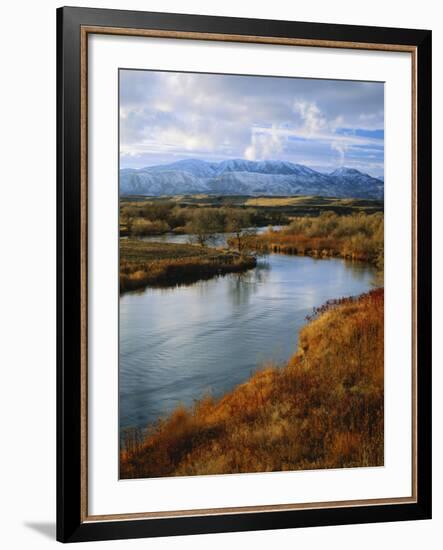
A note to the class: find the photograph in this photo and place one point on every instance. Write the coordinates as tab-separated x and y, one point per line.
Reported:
251	273
226	358
229	334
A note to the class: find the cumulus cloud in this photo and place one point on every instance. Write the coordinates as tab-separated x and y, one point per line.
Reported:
313	120
341	149
264	145
165	116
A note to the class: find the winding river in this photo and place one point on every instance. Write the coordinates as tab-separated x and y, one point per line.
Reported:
177	344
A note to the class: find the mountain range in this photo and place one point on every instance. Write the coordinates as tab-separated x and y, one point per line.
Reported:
244	177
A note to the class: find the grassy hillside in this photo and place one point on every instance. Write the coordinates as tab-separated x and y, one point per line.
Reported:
324	409
309	201
314	205
149	263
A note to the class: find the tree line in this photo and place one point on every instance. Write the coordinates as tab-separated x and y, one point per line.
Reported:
203	223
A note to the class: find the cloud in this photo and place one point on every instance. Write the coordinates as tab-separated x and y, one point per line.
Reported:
165	116
341	148
312	118
264	145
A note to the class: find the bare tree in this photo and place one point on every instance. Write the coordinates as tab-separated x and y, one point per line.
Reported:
204	224
238	221
128	220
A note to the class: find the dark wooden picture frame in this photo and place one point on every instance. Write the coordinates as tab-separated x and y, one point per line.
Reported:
73	26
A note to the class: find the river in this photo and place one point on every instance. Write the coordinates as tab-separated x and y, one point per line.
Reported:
177	344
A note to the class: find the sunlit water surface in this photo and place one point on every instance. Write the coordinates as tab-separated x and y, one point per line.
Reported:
177	344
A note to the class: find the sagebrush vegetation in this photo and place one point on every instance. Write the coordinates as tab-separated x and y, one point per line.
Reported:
357	236
157	215
324	409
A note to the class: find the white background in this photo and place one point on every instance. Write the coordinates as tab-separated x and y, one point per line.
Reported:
107	495
28	274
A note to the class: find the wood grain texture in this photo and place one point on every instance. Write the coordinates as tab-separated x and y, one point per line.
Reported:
84	273
248	39
85	32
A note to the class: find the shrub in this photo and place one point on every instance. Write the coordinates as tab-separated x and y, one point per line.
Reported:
357	236
324	409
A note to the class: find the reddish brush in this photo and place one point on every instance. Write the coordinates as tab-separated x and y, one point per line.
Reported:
324	409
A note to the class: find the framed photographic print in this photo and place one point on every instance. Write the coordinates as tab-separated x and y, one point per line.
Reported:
244	274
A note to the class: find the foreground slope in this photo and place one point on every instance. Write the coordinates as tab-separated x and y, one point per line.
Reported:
324	409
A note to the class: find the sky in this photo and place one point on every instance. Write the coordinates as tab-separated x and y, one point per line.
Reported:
323	124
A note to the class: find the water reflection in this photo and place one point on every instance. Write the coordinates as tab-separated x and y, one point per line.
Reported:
218	239
241	286
178	343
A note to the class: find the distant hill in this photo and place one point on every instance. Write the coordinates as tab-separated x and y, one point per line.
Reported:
243	177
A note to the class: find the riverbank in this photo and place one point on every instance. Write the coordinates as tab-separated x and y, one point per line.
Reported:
318	411
356	237
164	264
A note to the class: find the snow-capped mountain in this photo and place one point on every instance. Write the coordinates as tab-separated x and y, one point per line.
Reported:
244	177
348	179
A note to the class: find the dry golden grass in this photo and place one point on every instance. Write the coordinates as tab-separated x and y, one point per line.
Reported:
276	201
356	236
148	263
324	409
